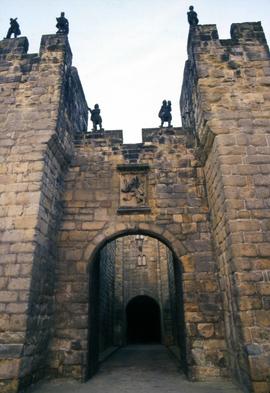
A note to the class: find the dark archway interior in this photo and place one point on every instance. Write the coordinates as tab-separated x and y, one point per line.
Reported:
143	321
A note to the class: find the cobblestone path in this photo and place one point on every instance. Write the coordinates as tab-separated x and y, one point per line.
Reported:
137	369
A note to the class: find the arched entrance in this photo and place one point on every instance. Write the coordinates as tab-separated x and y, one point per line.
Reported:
122	309
143	321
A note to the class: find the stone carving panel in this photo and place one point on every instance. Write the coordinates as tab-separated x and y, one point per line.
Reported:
133	188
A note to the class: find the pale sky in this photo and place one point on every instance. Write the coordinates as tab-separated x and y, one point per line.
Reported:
130	54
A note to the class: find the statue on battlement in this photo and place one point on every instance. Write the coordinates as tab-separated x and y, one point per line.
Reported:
62	24
165	113
96	118
14	28
192	17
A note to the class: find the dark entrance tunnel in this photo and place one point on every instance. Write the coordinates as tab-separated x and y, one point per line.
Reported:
113	320
143	321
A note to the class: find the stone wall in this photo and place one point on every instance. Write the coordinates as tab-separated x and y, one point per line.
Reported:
37	125
226	95
174	210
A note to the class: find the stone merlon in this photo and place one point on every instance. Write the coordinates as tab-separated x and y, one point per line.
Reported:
56	43
18	46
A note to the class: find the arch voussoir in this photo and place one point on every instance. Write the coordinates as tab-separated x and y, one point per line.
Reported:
111	232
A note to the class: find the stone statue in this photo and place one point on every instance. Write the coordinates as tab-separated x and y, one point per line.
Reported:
165	113
192	17
162	109
62	24
96	118
14	28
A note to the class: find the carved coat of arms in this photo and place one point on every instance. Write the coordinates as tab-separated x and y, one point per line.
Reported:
133	190
133	196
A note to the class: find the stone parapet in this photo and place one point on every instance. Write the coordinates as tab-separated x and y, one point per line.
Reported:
152	134
203	38
249	33
106	136
11	47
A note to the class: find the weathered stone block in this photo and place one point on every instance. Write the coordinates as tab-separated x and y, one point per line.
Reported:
9	351
261	387
206	330
19	283
8	296
262	318
9	368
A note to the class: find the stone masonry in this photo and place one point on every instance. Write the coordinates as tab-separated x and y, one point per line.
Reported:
202	190
39	117
176	209
226	98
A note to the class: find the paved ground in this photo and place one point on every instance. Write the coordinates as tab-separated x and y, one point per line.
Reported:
137	369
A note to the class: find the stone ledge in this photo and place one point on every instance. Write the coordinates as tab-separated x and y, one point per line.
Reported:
114	136
133	167
134	210
149	134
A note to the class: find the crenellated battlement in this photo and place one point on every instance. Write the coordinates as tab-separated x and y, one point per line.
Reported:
157	135
242	35
36	76
217	67
49	43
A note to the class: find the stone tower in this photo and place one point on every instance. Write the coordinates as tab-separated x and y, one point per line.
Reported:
202	190
42	107
226	100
